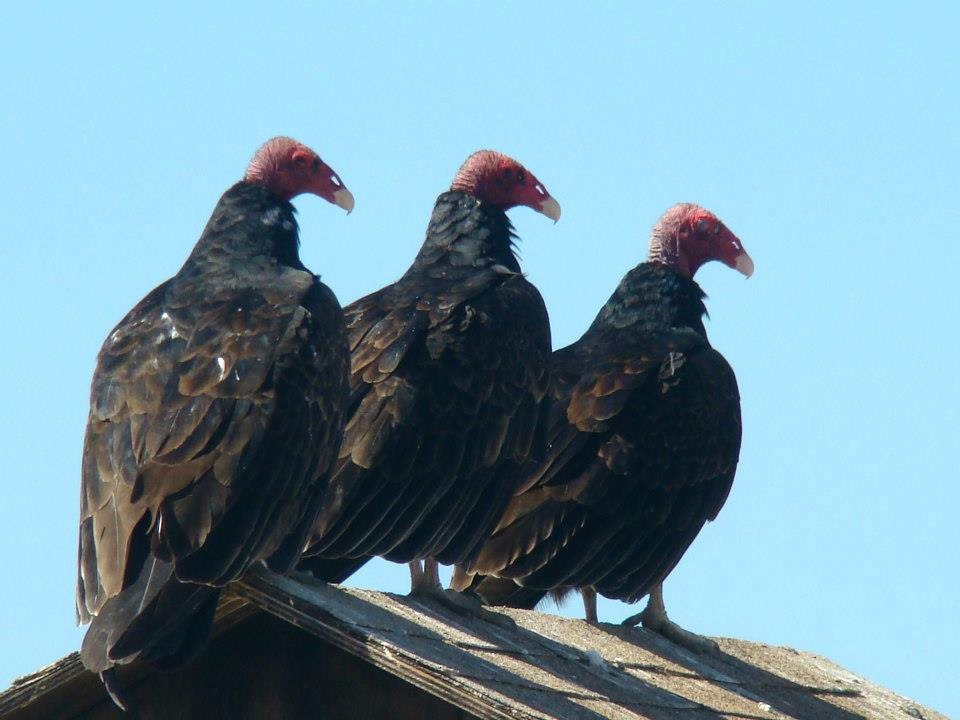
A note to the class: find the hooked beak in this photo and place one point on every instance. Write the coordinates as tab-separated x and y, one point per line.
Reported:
550	208
344	198
732	254
744	264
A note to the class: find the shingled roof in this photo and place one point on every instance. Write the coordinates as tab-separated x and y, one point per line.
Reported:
522	665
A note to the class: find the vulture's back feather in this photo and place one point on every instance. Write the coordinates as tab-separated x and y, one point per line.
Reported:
216	407
644	438
448	368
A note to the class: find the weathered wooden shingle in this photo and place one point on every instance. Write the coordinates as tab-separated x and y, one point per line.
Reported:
525	665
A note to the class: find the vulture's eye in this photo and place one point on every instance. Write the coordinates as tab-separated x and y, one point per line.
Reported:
521	177
316	164
703	225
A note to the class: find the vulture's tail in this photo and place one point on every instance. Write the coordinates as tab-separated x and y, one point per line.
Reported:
506	593
331	570
157	619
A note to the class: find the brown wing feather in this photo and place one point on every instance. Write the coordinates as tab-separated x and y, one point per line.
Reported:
432	400
182	396
599	459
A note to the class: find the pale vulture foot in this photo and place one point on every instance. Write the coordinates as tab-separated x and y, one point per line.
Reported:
424	577
425	583
654	618
589	604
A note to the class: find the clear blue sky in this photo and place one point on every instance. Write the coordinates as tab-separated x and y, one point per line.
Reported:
826	136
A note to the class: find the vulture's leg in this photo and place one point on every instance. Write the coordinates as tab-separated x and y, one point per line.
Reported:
654	618
589	603
425	583
416	576
431	573
425	577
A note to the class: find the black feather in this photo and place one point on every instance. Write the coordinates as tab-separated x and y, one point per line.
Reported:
215	416
644	422
449	365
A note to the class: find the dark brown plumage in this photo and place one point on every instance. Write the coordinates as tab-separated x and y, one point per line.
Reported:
215	415
449	365
644	437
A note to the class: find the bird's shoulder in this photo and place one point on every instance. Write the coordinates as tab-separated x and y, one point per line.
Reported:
185	387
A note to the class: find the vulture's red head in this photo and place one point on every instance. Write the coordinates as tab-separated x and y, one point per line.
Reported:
494	178
687	236
289	168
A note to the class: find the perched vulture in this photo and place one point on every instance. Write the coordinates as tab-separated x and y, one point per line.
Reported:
449	365
215	415
643	432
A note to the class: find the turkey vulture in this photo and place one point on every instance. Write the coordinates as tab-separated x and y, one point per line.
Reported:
449	365
643	426
216	410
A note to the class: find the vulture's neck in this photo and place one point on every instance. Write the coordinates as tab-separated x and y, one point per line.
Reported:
465	234
250	226
652	298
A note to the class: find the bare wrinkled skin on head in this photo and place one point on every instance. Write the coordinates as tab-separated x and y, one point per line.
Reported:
289	168
686	236
500	180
